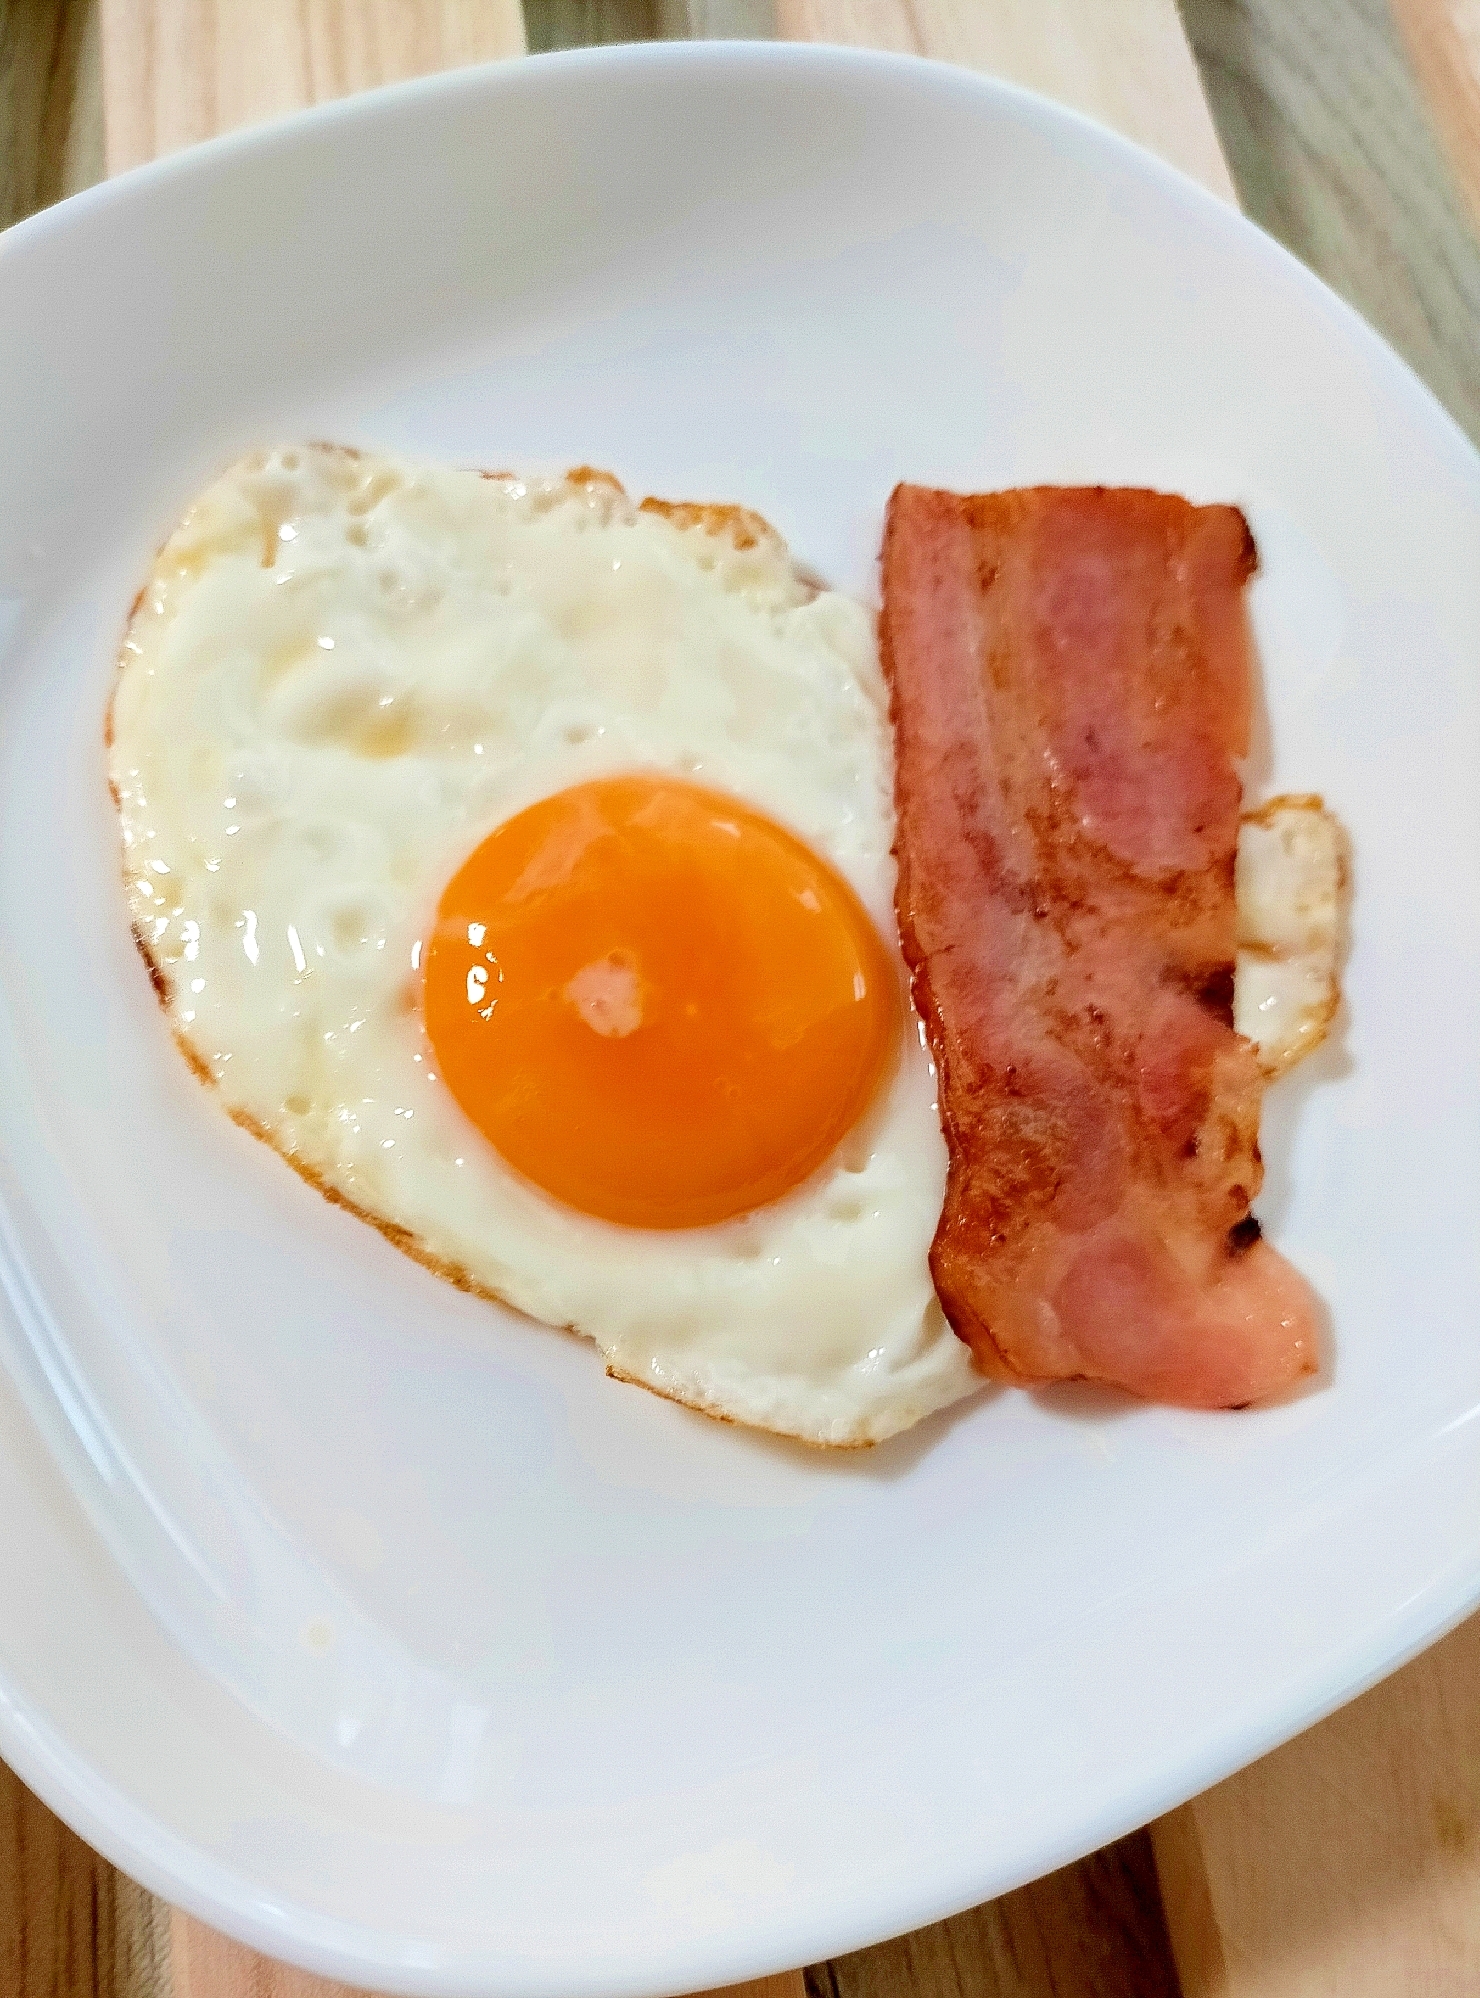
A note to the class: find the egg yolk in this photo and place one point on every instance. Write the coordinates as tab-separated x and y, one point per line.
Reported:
656	1004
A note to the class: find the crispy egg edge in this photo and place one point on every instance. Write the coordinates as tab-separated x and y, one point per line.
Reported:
744	529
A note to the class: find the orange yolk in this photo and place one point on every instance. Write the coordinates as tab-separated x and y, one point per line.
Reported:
657	1004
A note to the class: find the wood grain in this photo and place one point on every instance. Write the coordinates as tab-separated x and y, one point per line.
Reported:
205	1964
70	1926
1089	1931
566	24
1332	152
50	124
1443	38
714	20
1346	1864
175	71
1094	1930
1127	64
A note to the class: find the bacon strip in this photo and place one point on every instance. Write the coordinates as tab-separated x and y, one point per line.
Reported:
1070	685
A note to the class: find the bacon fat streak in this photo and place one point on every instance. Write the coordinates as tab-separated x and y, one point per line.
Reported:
1070	684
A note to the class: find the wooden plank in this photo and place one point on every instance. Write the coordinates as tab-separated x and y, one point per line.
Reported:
70	1927
175	71
1332	152
1349	1861
569	24
1443	38
1127	63
50	131
1093	1930
716	20
205	1964
1346	1864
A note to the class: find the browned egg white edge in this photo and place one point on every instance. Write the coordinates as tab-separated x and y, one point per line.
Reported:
745	529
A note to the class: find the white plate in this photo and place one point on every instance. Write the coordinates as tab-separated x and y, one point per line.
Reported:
377	1626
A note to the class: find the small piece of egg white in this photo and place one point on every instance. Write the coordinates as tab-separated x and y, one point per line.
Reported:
1291	880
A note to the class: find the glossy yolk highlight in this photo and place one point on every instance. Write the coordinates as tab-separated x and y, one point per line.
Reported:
656	1004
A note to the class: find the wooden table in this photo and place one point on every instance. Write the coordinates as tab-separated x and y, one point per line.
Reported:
1346	1865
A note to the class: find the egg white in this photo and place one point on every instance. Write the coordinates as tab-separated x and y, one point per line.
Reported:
342	673
1291	881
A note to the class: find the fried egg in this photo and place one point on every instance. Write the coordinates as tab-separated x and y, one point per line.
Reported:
515	860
